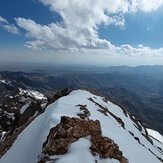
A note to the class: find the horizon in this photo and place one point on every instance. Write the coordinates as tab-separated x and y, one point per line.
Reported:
32	67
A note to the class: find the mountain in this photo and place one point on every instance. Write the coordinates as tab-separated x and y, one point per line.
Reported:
137	89
83	127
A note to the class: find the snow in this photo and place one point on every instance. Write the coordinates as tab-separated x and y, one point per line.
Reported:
35	94
11	97
28	145
22	99
9	115
2	81
2	136
79	152
157	139
24	107
155	134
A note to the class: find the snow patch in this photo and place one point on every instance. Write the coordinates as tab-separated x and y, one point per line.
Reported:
35	94
23	108
3	81
2	136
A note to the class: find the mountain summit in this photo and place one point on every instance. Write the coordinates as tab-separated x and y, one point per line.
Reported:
84	127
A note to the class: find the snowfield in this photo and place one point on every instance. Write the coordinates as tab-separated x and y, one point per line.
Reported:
135	147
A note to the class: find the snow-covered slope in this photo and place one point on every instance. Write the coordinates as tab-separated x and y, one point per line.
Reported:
116	124
157	139
155	134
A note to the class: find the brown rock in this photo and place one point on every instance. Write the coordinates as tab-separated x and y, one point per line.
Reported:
70	130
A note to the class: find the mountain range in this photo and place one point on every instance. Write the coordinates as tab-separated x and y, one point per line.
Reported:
137	89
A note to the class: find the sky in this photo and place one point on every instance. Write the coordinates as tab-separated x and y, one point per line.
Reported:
88	32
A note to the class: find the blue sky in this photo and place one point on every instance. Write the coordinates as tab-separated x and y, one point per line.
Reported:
139	28
108	29
21	8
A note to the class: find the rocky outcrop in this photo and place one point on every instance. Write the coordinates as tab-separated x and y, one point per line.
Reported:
70	130
59	94
16	110
85	112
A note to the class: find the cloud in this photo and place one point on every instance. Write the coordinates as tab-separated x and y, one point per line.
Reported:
11	28
78	30
126	50
140	51
145	5
7	26
3	20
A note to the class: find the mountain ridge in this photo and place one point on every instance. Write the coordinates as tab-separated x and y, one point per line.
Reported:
131	137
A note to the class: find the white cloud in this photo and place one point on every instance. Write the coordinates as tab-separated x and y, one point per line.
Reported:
11	28
79	27
3	20
145	5
140	51
127	50
7	26
35	45
61	36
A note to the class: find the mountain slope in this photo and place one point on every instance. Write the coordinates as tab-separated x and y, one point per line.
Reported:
116	125
17	109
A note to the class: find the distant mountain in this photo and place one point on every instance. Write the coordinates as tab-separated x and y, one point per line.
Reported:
83	127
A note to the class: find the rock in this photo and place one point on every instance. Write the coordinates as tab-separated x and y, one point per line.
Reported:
58	95
70	130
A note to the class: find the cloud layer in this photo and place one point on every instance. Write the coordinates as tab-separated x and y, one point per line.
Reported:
78	29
